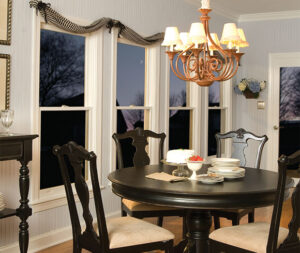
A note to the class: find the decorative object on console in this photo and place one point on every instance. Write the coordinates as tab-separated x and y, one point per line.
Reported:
2	202
203	58
5	22
250	87
7	118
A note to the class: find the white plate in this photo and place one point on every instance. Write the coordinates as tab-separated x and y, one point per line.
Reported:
227	170
209	179
225	162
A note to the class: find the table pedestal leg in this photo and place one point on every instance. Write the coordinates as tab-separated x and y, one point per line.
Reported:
199	223
24	211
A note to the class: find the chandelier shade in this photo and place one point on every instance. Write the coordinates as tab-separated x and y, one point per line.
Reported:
203	58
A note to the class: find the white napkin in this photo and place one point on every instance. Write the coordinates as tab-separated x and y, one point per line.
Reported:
162	176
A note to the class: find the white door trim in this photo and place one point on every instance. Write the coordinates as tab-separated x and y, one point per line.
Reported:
276	61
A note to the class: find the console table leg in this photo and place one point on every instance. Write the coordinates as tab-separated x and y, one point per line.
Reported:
199	223
24	211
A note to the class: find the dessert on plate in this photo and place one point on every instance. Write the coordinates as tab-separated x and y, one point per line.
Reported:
179	155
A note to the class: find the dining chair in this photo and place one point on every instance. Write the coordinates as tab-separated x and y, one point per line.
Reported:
122	234
264	237
139	139
239	143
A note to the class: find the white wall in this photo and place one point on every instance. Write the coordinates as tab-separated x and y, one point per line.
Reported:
146	17
265	37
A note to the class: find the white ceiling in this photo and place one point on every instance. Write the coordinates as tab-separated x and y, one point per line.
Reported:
237	8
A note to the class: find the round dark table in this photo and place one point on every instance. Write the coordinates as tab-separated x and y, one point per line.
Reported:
256	189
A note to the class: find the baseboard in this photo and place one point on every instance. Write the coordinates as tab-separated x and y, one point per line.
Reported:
47	240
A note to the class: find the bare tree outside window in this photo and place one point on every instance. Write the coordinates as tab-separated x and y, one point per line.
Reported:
61	68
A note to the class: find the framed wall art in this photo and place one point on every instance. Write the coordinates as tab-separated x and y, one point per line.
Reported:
4	81
5	22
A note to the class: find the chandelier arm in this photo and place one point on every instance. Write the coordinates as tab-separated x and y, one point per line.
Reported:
177	69
235	71
175	73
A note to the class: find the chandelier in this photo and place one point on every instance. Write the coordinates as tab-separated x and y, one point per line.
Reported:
203	58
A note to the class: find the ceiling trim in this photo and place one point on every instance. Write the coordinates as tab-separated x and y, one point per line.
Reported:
269	16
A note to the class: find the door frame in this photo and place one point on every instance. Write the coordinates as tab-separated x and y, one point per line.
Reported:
276	61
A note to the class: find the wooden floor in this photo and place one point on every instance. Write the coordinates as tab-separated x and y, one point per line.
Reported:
174	224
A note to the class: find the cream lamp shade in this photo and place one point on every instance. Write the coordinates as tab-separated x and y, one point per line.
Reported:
230	34
197	34
171	37
243	42
215	38
185	41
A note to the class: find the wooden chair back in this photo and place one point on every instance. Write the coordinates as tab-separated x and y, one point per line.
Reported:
139	138
74	157
291	244
240	143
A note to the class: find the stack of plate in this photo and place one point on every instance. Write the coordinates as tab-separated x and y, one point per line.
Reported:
2	202
227	167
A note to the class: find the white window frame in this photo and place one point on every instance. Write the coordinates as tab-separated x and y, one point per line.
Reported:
226	121
151	91
55	196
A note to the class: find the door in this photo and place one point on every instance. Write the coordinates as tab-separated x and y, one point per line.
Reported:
283	106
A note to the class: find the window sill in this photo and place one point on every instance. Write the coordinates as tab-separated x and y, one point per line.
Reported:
54	201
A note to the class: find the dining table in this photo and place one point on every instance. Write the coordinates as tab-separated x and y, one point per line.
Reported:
256	189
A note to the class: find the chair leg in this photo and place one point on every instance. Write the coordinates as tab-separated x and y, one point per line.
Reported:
160	220
251	216
184	227
235	221
123	213
217	222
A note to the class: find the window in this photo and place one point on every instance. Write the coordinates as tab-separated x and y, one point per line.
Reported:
131	110
68	91
61	89
180	114
218	115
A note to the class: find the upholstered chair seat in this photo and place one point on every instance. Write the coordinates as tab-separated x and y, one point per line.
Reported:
251	236
138	206
128	231
263	237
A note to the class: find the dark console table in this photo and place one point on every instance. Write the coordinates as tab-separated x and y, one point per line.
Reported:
19	147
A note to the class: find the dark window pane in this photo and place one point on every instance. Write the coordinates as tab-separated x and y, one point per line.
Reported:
177	89
214	94
128	120
61	69
214	126
130	75
289	131
179	129
58	128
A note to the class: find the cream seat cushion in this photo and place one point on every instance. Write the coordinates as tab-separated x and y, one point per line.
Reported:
252	236
138	206
128	231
